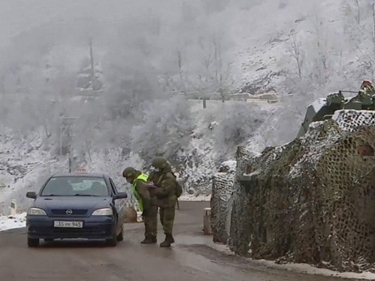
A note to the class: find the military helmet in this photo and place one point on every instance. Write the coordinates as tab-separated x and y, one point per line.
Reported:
159	163
129	172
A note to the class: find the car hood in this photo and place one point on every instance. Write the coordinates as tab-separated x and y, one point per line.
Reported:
70	202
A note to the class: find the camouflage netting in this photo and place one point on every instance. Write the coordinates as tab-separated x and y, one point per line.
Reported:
221	194
312	200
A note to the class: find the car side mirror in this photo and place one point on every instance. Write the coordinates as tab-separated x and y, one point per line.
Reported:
31	194
121	195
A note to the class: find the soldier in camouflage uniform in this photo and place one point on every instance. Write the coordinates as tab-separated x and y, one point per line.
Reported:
141	193
367	86
164	196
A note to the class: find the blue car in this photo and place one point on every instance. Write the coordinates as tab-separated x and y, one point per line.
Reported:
76	205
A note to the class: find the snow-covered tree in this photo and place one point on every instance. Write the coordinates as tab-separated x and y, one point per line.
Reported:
359	26
237	123
166	129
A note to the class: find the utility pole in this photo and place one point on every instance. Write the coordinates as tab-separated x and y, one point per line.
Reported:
70	161
92	65
66	124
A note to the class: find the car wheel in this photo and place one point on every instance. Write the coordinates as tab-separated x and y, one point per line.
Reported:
120	237
113	241
32	243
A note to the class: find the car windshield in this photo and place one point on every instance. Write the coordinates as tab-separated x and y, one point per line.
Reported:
75	186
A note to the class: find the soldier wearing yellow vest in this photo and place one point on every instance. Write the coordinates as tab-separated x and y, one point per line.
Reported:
149	211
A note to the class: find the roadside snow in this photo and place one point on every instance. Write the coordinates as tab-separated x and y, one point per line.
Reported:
12	222
195	198
301	268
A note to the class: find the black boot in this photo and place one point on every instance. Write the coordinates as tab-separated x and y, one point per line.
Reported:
171	239
168	241
149	240
154	239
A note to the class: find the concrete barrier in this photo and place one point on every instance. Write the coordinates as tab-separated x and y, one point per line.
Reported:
13	207
207	221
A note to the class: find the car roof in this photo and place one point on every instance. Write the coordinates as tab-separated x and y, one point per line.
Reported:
73	174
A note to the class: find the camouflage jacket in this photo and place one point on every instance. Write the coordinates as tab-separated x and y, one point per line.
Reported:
164	195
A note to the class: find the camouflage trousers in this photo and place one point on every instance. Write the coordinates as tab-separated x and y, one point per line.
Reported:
167	216
151	221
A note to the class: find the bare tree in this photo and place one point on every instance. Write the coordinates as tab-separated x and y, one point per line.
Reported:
353	10
373	23
321	42
366	31
180	70
358	7
359	28
320	51
216	74
297	53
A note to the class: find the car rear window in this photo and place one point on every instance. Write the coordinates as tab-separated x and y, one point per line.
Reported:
75	186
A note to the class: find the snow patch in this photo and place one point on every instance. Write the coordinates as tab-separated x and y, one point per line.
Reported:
257	172
195	198
12	222
318	104
301	268
230	164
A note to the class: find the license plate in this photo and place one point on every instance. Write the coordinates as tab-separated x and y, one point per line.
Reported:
68	224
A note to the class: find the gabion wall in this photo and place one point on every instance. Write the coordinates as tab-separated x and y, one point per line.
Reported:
222	184
312	200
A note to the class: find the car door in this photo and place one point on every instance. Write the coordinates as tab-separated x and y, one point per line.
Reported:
119	203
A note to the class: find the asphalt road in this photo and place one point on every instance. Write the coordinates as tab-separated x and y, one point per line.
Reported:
190	258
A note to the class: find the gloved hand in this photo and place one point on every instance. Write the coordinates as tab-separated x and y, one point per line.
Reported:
144	213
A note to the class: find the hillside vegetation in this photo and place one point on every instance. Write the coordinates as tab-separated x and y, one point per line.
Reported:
149	52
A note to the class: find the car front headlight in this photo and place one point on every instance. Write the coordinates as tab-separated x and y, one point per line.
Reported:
36	212
103	212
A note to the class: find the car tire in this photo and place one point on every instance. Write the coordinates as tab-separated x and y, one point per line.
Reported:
113	241
32	243
120	237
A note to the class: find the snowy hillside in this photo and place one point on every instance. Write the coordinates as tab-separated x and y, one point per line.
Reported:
300	50
27	161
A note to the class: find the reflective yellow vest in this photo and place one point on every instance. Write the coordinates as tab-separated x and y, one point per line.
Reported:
144	178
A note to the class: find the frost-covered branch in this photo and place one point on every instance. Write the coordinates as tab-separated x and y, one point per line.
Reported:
237	124
297	53
166	129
